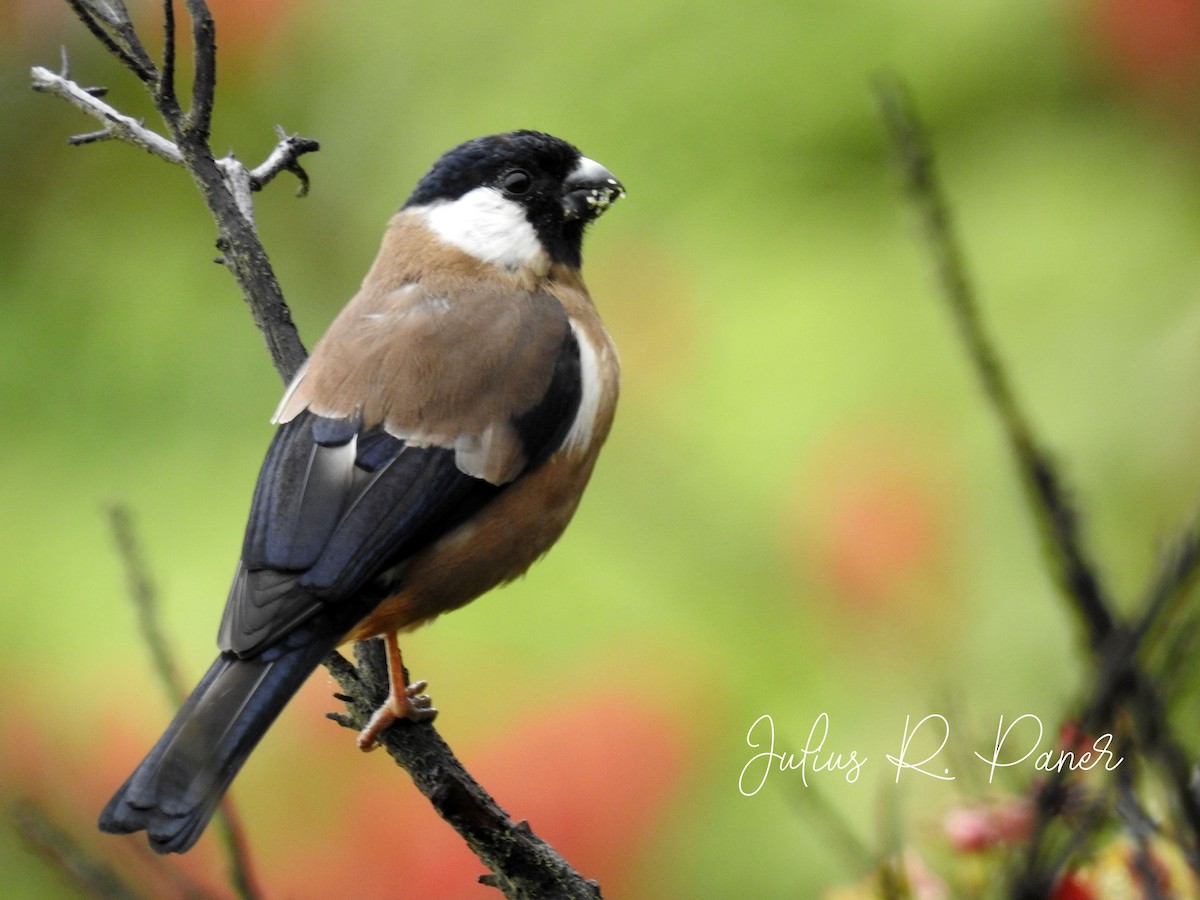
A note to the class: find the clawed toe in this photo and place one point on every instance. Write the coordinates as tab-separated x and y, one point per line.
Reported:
418	707
403	702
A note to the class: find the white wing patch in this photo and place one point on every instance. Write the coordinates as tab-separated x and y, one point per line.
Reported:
580	435
277	419
490	227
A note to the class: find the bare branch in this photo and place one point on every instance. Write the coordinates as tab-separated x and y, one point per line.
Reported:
1122	694
237	850
164	93
284	158
238	183
226	185
60	849
145	601
242	182
91	137
1178	569
120	125
110	24
204	81
523	865
1052	505
225	188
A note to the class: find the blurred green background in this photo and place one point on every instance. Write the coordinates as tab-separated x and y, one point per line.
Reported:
804	507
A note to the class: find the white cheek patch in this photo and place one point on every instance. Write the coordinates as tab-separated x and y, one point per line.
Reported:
580	435
491	228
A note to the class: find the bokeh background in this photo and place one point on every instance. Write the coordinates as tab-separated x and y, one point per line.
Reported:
804	507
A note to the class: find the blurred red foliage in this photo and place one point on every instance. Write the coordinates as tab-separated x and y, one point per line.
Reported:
1154	42
592	779
868	518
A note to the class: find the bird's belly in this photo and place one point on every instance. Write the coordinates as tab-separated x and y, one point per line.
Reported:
493	547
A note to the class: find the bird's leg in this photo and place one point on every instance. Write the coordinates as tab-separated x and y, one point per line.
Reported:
404	701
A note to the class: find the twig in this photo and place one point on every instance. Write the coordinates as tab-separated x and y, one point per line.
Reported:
109	23
164	92
1179	567
1138	823
1119	684
225	184
284	158
831	826
204	79
237	850
523	865
1055	512
145	601
116	125
1052	511
57	846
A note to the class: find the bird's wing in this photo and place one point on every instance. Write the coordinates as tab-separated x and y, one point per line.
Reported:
440	363
369	465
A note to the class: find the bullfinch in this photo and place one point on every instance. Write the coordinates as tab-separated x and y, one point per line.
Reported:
434	445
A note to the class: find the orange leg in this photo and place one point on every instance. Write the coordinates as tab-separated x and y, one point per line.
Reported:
404	701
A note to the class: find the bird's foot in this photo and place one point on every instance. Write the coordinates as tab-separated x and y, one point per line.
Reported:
411	704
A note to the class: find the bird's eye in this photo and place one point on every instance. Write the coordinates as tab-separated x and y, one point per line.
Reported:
516	182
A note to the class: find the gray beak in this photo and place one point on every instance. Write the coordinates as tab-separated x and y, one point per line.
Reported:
589	190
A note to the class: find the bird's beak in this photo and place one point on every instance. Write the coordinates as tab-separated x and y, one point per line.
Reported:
589	190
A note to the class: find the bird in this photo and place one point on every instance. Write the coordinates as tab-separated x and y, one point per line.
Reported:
435	443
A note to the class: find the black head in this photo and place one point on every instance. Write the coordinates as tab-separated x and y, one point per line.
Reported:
557	188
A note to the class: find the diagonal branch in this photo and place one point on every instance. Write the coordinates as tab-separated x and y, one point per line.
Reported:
64	853
1119	685
1052	505
145	600
110	24
1179	567
523	865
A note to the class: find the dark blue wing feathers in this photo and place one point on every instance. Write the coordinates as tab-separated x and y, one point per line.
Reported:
326	520
544	427
175	790
336	507
415	494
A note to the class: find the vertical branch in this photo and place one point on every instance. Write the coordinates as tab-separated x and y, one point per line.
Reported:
164	94
204	82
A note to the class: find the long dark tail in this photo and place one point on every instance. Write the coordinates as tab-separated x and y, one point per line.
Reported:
175	790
